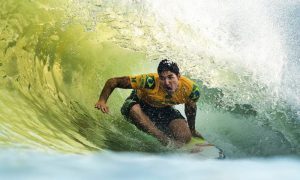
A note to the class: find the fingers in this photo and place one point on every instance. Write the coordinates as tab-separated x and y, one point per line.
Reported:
102	107
197	134
98	106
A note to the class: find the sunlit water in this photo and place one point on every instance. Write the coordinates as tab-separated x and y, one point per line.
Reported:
56	55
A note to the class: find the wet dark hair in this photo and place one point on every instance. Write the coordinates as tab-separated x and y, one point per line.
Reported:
168	65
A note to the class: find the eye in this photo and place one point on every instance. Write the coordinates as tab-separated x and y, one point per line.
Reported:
161	78
170	77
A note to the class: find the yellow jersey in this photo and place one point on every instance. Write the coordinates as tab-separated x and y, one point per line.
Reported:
149	90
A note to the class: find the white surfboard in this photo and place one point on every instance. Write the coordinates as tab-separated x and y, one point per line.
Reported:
202	149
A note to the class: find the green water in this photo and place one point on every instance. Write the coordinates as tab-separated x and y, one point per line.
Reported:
56	56
51	77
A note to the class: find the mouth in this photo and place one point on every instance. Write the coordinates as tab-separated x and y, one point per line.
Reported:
169	89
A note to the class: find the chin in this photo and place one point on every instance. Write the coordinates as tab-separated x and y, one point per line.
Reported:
170	91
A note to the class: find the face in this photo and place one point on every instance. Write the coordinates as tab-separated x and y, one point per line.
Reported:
169	81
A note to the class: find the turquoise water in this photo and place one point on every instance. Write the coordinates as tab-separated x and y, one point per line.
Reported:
56	56
109	165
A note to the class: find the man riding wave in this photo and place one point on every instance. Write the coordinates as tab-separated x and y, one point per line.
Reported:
150	105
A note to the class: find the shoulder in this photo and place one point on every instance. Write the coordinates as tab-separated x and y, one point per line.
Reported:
147	81
186	82
192	89
151	80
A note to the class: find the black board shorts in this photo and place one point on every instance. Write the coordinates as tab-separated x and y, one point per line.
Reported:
161	117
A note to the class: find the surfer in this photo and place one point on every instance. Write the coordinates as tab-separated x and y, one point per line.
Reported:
150	105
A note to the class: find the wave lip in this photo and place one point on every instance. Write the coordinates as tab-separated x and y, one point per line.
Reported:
55	56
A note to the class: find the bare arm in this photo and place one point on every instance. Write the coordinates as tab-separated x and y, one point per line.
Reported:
190	112
110	85
139	117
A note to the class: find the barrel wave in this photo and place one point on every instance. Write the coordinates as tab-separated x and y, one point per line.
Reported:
56	56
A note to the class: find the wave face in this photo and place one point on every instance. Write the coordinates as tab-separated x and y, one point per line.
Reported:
56	56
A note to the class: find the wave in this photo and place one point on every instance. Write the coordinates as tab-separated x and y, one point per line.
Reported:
56	56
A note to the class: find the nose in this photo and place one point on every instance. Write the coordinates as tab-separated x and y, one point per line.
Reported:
167	81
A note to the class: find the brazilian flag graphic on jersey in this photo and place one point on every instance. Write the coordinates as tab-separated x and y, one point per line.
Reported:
195	94
150	82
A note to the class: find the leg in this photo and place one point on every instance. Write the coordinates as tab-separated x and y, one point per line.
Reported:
180	131
142	121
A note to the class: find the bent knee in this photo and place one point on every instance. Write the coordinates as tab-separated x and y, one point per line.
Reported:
180	130
135	108
183	137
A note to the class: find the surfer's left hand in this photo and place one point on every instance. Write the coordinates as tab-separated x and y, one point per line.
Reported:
195	133
102	106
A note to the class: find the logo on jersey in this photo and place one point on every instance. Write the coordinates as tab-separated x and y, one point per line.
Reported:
150	82
133	80
195	94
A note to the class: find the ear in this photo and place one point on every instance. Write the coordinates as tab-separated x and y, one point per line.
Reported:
178	75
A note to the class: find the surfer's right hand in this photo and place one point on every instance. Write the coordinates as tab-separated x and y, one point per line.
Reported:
102	106
195	133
